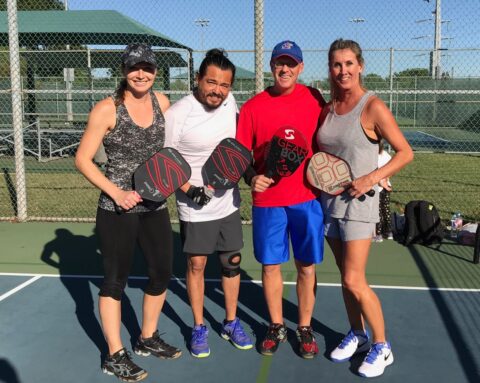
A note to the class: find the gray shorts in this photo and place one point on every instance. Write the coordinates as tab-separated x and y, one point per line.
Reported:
223	234
347	230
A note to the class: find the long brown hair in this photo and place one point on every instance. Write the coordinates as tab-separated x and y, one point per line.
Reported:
338	45
119	95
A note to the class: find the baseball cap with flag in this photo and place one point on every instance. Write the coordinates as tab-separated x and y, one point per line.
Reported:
288	48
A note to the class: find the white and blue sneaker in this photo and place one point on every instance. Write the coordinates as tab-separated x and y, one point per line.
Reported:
379	357
354	342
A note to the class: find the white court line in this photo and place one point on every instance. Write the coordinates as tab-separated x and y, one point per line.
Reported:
250	281
431	135
19	287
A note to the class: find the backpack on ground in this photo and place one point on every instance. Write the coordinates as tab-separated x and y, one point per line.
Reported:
422	224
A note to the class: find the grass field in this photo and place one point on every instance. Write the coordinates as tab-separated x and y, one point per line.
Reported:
56	190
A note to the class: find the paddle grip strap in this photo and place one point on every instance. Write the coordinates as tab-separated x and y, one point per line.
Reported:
249	174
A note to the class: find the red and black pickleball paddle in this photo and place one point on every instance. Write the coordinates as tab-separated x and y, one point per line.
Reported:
226	164
161	175
287	150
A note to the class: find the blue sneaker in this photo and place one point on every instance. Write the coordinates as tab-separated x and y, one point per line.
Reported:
199	343
233	331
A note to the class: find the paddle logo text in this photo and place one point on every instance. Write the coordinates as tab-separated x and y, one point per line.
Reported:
291	152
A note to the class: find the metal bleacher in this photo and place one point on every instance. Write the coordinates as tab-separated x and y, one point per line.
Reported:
45	139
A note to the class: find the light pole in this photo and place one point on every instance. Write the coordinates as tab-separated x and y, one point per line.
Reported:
356	21
202	23
436	67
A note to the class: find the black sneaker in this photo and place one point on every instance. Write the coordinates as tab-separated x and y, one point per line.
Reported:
157	347
276	333
121	365
307	345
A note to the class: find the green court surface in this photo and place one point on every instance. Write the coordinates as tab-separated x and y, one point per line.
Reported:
50	275
447	265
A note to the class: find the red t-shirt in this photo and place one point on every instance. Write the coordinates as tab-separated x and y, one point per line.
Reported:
259	119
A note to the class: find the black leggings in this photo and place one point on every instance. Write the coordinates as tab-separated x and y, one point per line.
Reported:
119	234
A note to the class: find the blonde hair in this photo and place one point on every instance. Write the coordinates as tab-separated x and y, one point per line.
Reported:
336	46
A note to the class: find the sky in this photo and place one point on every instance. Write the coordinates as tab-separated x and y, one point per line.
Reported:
314	24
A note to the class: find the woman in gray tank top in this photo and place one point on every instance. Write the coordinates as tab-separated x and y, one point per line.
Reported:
131	126
351	127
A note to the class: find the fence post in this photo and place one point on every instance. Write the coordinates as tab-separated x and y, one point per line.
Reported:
415	104
259	45
390	101
17	119
191	71
39	138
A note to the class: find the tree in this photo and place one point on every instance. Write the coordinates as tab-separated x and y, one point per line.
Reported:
408	78
374	81
413	72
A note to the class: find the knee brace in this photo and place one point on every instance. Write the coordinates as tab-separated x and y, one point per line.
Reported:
230	268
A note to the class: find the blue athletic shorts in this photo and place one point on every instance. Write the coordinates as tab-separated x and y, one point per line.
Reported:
272	227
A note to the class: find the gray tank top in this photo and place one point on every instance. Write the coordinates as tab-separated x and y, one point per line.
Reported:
343	136
127	146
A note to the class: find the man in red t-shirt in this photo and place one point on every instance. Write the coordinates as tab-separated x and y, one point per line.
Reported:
286	207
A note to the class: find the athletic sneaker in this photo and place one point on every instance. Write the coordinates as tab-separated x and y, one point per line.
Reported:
377	238
199	343
390	235
353	343
307	344
379	357
157	347
276	333
121	365
233	331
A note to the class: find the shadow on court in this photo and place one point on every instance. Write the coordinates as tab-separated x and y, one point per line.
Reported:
79	255
460	315
251	300
11	189
7	372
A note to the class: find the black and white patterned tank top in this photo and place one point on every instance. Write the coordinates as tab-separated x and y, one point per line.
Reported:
127	146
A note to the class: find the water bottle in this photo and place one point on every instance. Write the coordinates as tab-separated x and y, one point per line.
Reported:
453	226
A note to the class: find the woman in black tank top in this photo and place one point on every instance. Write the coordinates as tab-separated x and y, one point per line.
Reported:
131	126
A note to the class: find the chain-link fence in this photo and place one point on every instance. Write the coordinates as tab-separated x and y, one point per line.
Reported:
58	58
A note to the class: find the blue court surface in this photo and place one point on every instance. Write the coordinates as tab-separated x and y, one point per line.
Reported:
50	332
451	140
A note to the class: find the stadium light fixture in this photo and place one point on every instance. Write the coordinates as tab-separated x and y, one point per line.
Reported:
202	23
